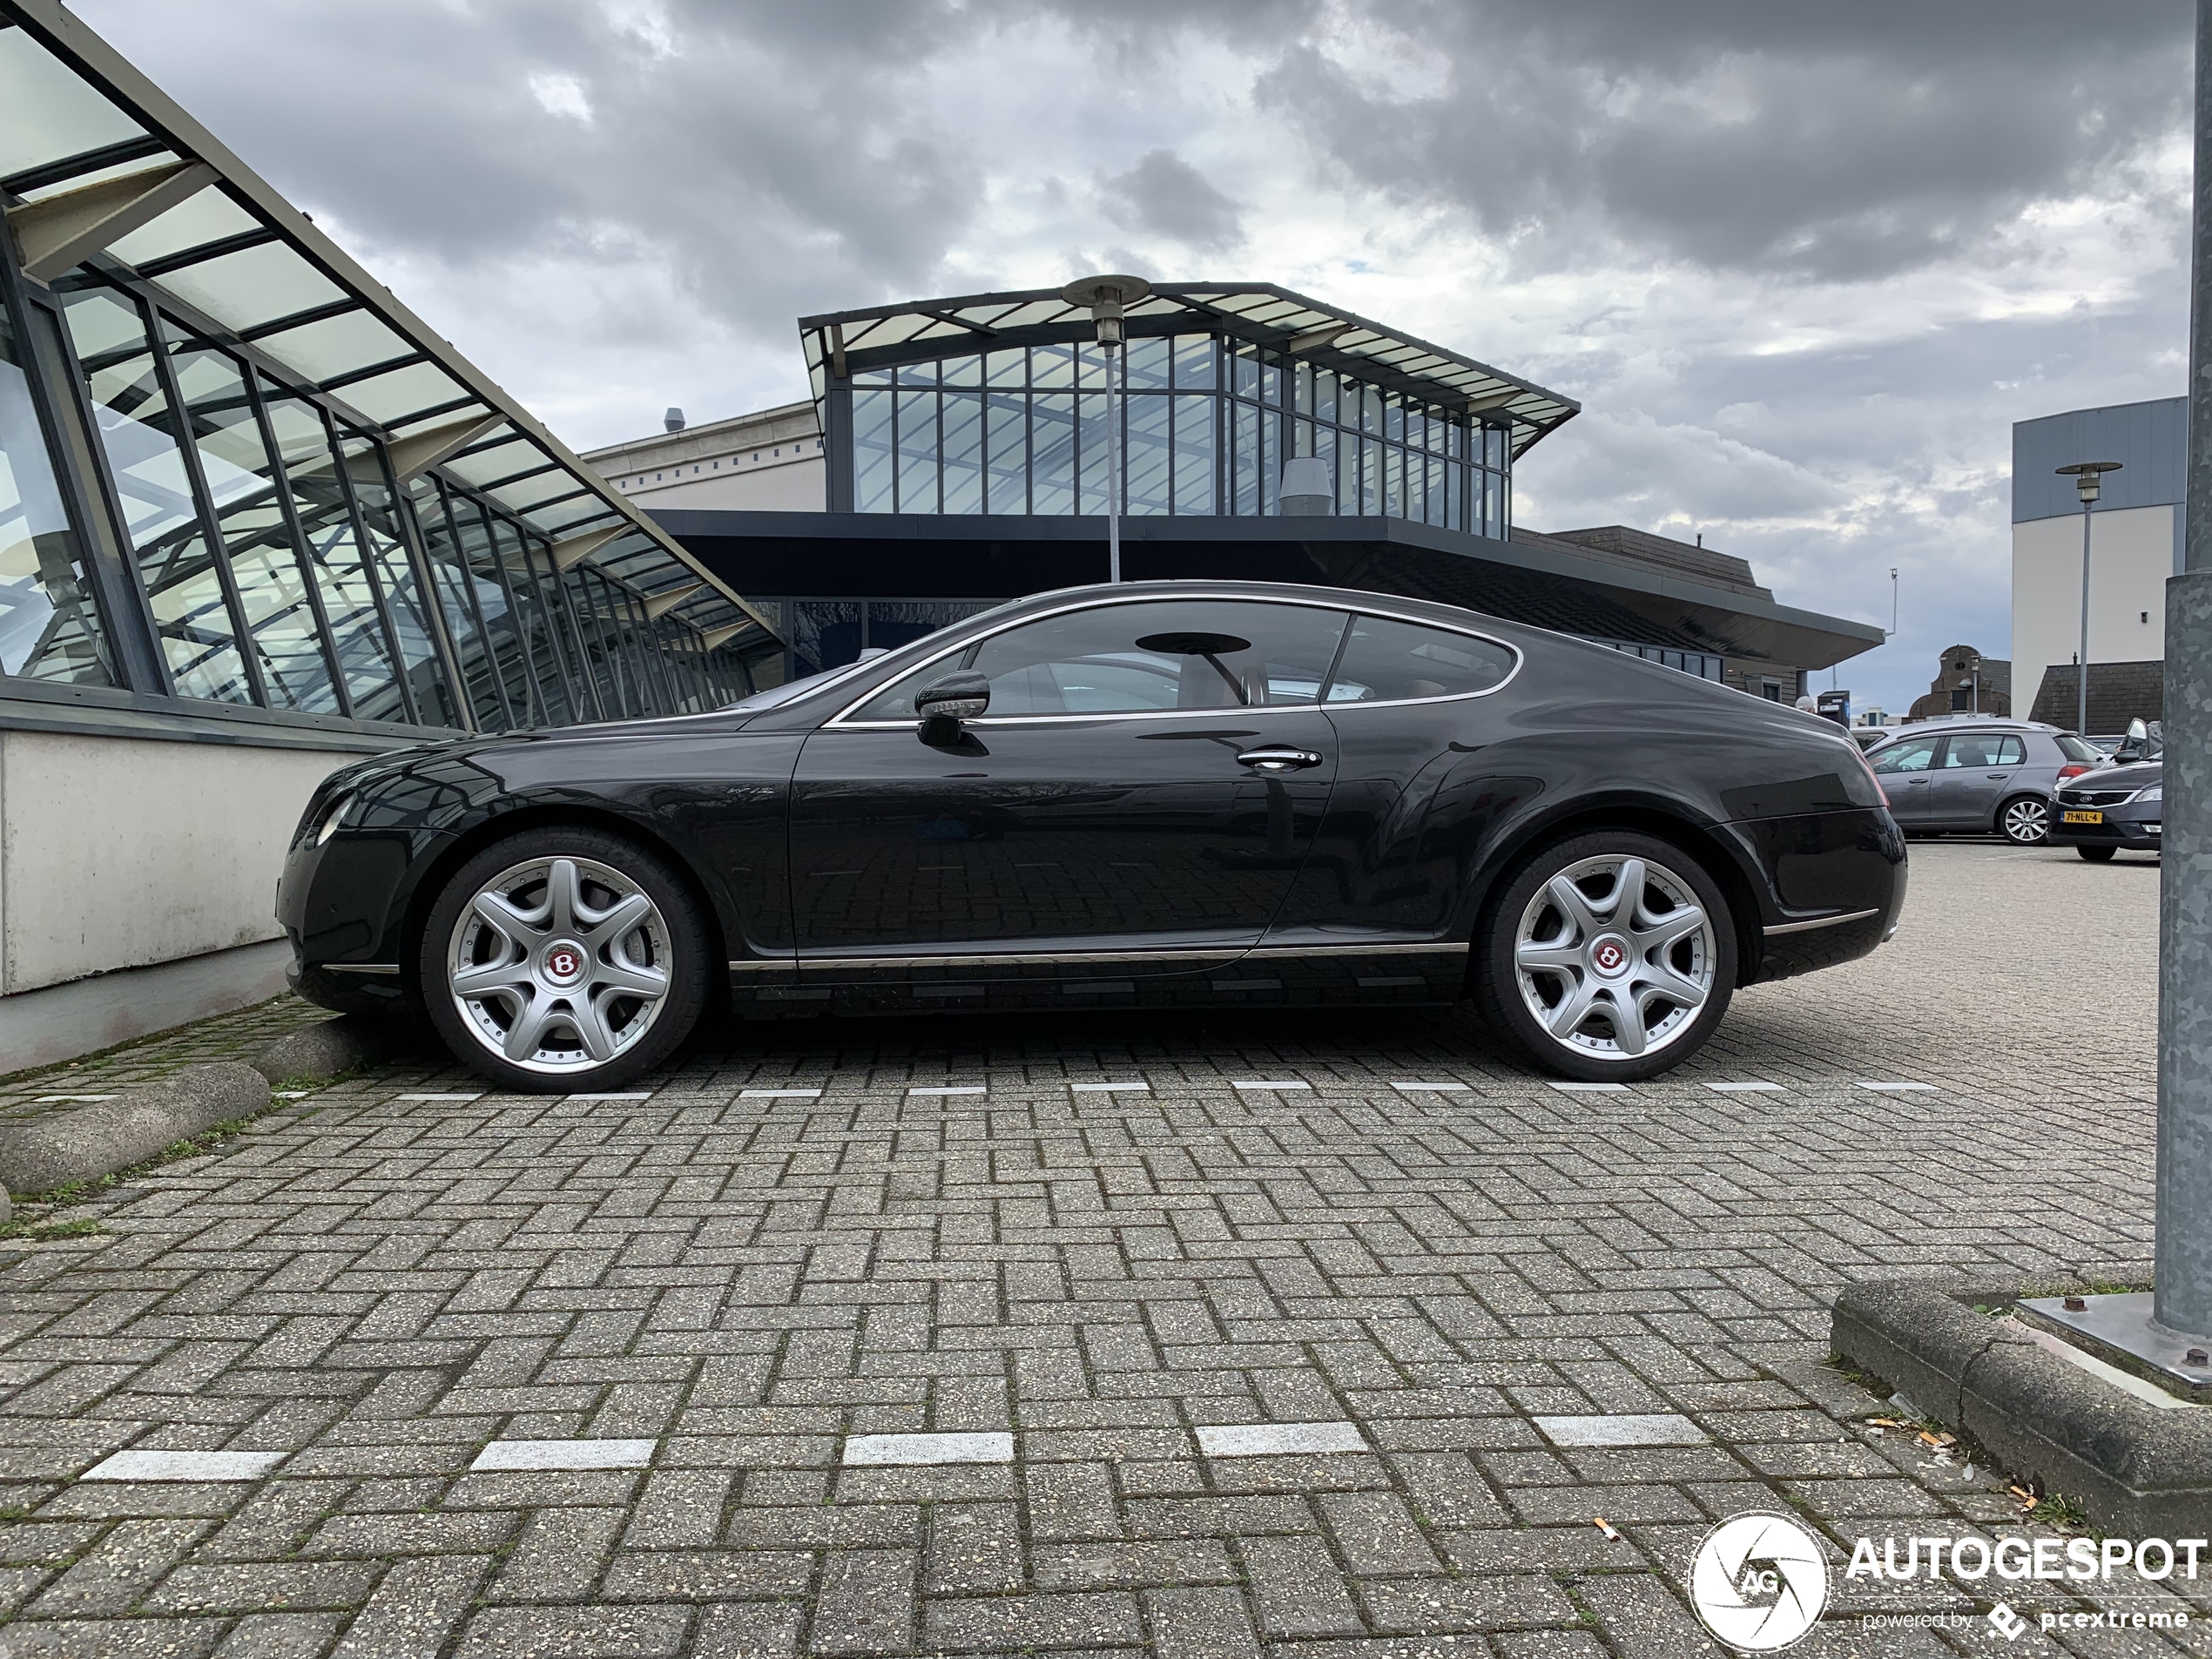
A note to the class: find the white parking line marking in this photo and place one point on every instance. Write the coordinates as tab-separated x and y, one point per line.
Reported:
48	1100
781	1094
183	1465
640	1094
1741	1088
477	1095
1622	1428
1591	1089
1431	1089
1104	1089
1279	1440
290	1094
963	1089
1269	1082
906	1450
1893	1088
502	1455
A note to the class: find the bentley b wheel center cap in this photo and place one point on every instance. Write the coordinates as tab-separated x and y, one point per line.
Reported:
1609	955
564	964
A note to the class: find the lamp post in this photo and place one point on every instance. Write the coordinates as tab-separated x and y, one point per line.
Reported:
2086	476
1107	297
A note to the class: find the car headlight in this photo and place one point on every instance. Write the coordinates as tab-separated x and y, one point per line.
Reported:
2156	792
331	817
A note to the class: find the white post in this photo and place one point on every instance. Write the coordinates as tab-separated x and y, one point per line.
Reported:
1113	389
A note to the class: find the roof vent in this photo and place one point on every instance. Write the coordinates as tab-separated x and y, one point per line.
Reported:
673	420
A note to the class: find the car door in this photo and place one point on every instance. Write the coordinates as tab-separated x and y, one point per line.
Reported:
1136	800
1905	769
1367	920
1971	776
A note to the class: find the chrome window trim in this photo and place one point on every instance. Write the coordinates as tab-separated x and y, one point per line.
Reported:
1173	952
839	722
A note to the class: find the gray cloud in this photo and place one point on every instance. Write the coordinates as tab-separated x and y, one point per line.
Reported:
1166	195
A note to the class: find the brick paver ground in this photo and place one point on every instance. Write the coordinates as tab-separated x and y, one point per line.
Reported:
381	1279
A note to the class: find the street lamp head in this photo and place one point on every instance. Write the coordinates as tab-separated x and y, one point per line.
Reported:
2086	475
1105	297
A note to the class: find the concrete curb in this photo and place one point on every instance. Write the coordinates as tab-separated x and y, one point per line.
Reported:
111	1135
2137	1470
332	1046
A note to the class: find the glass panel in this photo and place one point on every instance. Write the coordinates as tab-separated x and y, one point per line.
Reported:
1302	389
598	666
559	607
49	629
917	374
535	615
963	418
508	649
1393	478
1053	440
1006	367
1271	459
917	452
1146	364
1053	366
242	489
334	554
518	455
49	113
1394	419
255	285
1128	658
1093	453
391	398
462	628
1433	497
961	371
1347	470
1194	454
1324	386
1271	380
874	471
426	679
1194	369
193	222
1009	452
1384	661
137	430
1247	372
1244	457
1149	458
335	346
1370	459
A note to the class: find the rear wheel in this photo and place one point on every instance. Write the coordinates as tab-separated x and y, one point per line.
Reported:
2097	854
2025	820
1608	957
563	958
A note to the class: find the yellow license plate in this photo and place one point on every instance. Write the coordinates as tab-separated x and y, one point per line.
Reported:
2081	818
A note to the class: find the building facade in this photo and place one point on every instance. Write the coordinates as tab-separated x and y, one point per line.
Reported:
256	519
965	445
1965	682
2135	544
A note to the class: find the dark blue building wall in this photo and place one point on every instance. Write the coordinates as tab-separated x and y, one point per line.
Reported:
2150	441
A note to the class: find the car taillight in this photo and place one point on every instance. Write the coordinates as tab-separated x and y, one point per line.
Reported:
1872	777
2073	769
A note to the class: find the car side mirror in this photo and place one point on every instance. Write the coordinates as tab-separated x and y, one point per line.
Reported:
943	703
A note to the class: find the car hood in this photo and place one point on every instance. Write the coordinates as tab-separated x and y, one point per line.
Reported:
2140	774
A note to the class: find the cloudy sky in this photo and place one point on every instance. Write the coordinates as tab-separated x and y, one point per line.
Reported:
1802	264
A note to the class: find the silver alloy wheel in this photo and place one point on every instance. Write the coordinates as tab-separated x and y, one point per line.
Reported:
559	964
1615	956
2027	822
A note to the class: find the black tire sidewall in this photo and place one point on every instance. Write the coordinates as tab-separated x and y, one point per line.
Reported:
2096	855
1497	990
689	962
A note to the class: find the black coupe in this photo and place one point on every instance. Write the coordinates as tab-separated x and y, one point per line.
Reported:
1155	795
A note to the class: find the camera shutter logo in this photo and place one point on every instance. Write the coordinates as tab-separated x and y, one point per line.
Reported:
1759	1581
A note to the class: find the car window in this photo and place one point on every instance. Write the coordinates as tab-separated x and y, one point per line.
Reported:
2075	748
1911	754
1150	656
1384	661
1984	749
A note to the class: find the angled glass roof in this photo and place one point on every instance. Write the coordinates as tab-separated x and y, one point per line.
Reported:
175	213
838	344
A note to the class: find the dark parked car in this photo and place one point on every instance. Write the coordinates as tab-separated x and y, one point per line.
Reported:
1164	794
2121	805
1979	776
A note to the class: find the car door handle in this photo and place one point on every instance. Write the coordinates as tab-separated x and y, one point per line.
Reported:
1278	758
2001	776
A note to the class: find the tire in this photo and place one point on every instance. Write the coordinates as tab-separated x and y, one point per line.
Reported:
607	979
2025	820
2097	854
1541	947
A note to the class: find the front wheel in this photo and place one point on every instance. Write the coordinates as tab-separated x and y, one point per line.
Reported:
2025	820
562	960
1608	957
2097	854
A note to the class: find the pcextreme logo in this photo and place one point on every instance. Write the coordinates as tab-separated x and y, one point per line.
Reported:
1759	1581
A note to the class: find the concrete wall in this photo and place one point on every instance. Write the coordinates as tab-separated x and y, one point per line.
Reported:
799	485
2133	551
118	852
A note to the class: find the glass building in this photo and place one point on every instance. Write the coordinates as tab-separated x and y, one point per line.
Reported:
238	481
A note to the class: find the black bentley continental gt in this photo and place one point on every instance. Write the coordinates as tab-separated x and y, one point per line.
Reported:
1171	794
